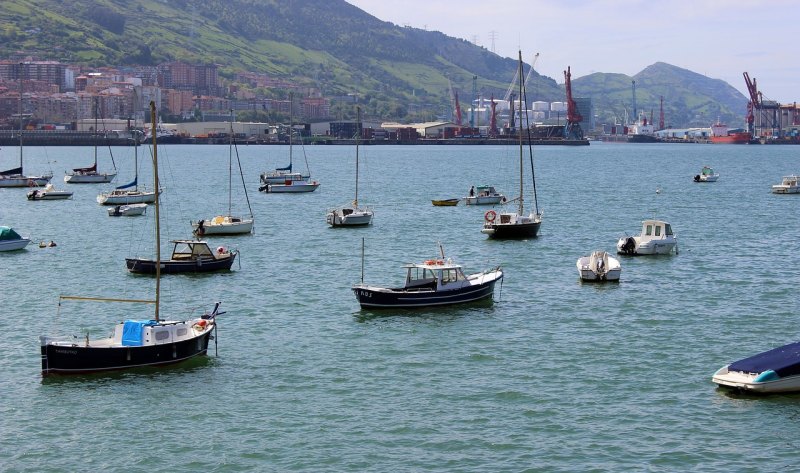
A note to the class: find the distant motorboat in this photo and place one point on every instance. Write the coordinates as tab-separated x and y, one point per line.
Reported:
706	175
773	371
598	266
656	238
48	193
788	185
130	210
484	195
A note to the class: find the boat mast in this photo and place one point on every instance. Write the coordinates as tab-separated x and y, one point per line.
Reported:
158	216
358	132
230	166
521	124
291	127
21	68
96	134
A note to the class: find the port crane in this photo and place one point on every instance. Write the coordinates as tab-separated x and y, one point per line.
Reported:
765	112
572	130
456	104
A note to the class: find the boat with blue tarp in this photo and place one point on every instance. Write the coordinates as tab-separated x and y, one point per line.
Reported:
773	371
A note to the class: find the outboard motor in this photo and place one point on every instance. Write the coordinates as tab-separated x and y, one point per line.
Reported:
630	246
697	178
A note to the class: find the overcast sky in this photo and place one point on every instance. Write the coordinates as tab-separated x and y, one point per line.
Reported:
717	38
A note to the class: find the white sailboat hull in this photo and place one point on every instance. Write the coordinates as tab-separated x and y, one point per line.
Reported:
24	181
345	217
226	225
294	187
89	178
122	198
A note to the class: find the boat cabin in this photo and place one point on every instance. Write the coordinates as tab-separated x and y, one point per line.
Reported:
433	274
485	191
194	249
655	230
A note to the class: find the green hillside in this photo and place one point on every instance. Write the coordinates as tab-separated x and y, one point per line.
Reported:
690	99
399	72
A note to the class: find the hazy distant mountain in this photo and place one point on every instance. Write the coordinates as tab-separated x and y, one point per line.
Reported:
327	43
690	99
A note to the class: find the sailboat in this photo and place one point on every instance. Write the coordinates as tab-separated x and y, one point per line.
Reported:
516	224
124	195
15	177
279	175
353	215
89	175
283	180
227	224
133	343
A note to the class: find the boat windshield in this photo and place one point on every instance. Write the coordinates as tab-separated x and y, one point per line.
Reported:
418	276
667	229
452	275
186	249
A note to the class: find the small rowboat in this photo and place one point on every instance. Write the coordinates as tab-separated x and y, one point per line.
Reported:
445	202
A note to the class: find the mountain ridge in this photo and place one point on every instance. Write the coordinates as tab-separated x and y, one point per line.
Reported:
400	72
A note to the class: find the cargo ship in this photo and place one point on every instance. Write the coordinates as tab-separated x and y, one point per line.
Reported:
721	134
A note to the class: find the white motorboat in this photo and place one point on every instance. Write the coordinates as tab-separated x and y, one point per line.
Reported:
228	224
599	266
11	240
706	175
656	239
516	224
89	175
352	215
48	193
130	210
124	195
788	185
484	195
293	183
773	371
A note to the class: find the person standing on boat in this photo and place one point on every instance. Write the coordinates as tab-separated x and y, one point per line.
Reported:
472	191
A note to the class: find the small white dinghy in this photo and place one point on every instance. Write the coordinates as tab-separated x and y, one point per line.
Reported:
129	210
598	266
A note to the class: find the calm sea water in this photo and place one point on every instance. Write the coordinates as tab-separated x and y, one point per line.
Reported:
554	375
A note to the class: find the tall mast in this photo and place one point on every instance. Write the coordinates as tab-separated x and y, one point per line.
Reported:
158	216
521	124
21	68
358	132
291	127
230	166
96	134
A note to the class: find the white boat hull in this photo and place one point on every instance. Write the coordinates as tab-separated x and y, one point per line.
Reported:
289	188
11	245
49	195
127	198
783	189
277	178
24	181
349	217
484	200
751	382
130	210
89	178
225	226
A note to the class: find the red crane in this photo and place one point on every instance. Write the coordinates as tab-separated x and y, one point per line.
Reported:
573	128
754	102
458	110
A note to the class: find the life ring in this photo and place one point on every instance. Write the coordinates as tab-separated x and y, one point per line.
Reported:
490	216
221	250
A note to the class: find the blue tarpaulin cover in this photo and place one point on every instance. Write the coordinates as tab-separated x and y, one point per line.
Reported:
132	332
785	361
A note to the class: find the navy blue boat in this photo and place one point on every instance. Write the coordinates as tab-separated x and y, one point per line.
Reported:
776	370
432	283
188	256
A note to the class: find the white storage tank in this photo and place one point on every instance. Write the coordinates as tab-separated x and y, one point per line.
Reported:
558	106
540	106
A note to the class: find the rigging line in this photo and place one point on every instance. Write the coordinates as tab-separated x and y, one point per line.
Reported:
108	143
241	174
530	147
